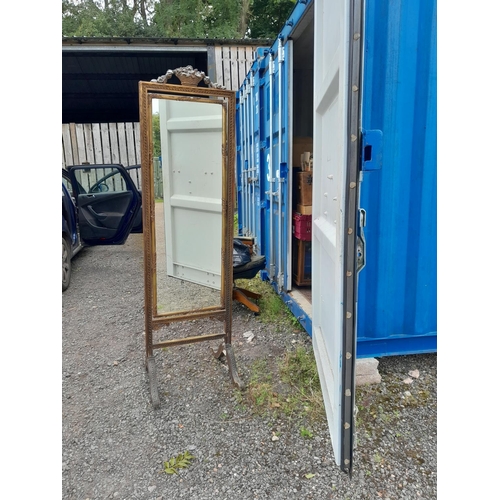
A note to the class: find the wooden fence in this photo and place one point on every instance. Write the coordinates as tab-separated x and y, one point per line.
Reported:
101	143
232	63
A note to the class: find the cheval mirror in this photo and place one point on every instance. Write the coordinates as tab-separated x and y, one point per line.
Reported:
188	154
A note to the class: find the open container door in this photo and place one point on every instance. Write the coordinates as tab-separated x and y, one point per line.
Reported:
337	72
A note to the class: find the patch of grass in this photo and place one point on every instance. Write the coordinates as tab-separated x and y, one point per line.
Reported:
306	433
272	308
287	386
299	371
260	391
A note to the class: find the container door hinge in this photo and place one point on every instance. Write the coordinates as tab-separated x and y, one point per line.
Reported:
272	271
281	281
371	150
360	242
281	50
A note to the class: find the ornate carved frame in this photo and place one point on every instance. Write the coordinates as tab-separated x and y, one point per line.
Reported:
188	90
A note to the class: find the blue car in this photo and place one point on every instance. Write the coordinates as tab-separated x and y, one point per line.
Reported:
101	205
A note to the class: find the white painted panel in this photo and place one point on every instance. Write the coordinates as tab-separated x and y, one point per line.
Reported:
191	137
330	165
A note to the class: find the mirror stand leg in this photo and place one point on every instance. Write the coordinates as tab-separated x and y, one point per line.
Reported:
226	350
231	363
153	381
219	352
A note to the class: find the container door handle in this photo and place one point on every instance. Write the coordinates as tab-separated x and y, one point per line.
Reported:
360	242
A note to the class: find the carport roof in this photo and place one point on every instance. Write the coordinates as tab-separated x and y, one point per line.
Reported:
100	75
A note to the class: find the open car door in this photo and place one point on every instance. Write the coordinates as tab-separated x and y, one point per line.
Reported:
108	203
337	88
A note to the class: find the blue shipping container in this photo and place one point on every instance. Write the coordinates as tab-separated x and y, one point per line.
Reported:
397	288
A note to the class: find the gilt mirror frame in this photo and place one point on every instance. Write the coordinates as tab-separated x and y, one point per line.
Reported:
188	90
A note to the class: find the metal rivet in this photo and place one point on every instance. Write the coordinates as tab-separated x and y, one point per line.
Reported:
353	137
346	461
326	194
325	213
352	185
348	392
346	426
355	88
349	231
348	355
357	36
349	273
329	177
348	315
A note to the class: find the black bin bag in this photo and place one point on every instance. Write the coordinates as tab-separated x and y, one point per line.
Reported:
241	253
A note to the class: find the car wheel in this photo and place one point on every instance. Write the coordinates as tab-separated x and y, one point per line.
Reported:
66	264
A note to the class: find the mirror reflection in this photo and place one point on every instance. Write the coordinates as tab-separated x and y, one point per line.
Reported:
188	142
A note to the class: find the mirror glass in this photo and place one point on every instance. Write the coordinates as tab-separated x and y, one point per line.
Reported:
187	144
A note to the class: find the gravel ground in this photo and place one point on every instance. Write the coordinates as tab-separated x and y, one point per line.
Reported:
114	444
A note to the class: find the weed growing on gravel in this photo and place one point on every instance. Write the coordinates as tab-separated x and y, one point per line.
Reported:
181	461
287	386
298	370
306	433
260	388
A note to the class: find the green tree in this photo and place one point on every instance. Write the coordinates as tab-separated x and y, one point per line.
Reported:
198	18
106	19
156	135
181	18
175	18
268	17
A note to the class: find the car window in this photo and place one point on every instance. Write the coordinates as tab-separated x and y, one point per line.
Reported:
101	180
135	174
67	185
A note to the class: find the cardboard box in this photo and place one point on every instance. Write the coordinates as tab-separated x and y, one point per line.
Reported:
301	262
303	187
304	209
306	161
300	146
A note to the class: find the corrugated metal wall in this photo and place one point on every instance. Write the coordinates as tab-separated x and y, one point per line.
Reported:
397	294
398	287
